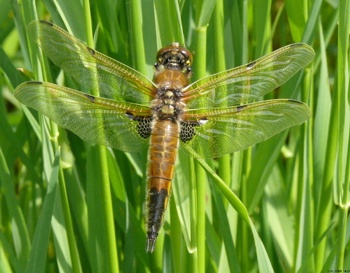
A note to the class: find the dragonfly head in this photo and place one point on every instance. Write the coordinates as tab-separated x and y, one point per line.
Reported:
174	57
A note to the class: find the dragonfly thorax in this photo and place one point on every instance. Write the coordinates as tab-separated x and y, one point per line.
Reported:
171	76
168	104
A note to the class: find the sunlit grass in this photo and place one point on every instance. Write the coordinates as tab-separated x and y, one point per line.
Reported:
281	204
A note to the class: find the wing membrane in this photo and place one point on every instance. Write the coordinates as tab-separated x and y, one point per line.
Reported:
115	80
235	128
94	119
249	82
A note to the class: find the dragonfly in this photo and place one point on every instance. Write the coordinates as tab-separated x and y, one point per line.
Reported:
216	115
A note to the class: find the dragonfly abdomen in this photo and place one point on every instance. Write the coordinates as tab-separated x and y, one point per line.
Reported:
164	143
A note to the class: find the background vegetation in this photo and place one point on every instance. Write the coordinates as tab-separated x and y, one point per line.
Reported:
282	205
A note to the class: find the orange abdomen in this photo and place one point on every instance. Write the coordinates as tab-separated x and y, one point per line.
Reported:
162	156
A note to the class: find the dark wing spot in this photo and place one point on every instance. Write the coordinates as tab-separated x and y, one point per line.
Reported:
187	131
34	82
91	98
144	124
130	115
241	107
144	127
47	23
296	101
92	52
251	65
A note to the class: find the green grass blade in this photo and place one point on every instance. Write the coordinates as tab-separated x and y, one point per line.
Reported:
20	236
38	254
262	26
227	236
297	12
168	18
342	185
203	12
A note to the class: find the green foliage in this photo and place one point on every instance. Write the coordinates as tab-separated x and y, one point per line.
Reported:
281	205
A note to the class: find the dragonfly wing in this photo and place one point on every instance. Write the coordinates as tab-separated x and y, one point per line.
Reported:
249	82
94	119
87	66
226	130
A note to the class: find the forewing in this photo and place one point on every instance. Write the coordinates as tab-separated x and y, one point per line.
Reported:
89	67
249	82
235	128
94	119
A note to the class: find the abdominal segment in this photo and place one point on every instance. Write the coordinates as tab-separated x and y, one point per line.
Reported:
162	156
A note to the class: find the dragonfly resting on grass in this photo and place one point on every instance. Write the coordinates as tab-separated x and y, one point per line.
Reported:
210	117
